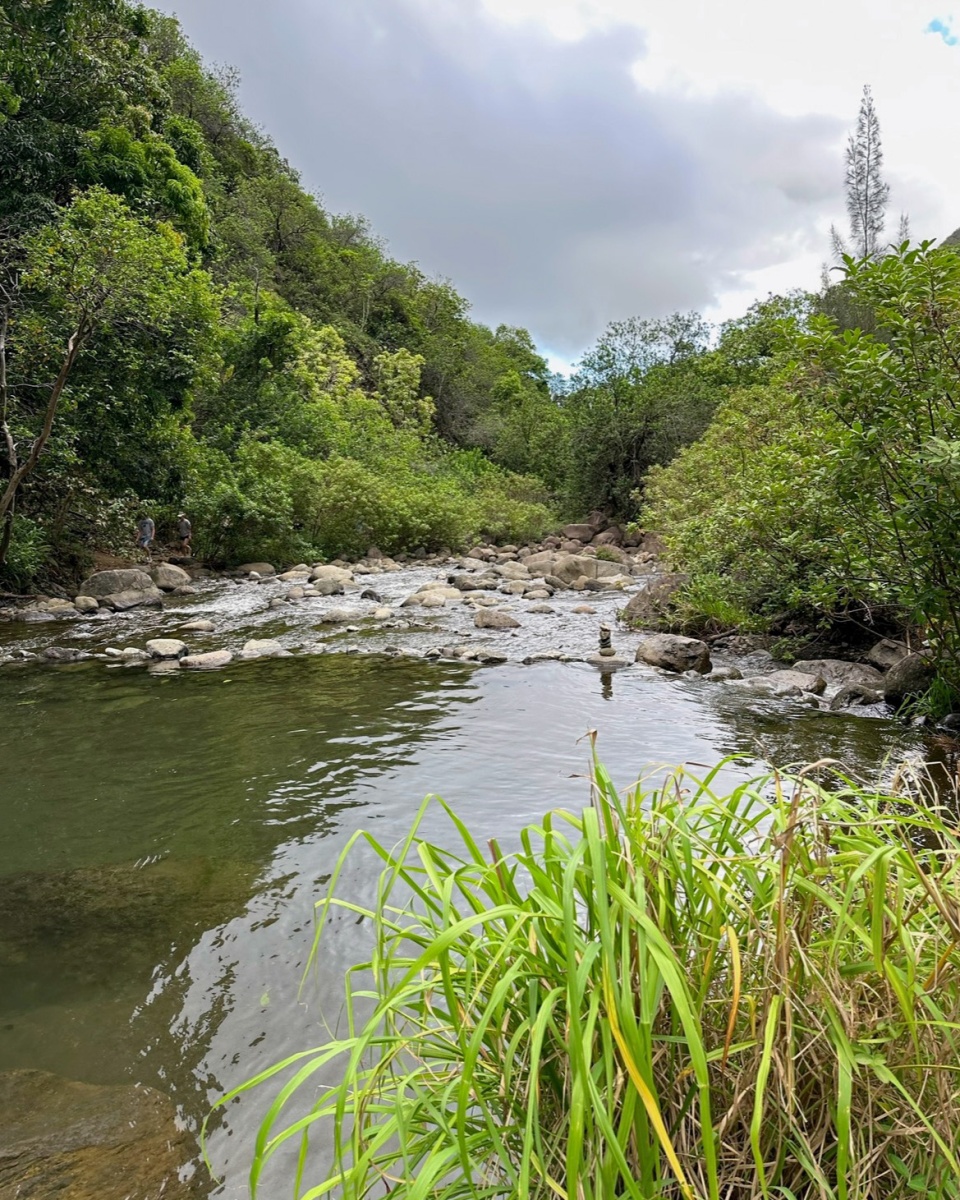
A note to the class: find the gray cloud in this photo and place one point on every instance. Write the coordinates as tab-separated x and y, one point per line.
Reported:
532	172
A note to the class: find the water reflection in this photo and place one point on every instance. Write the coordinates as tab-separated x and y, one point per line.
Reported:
166	837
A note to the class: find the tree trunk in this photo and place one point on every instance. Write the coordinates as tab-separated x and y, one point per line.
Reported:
23	470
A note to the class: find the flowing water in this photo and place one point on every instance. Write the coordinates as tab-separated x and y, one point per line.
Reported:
165	836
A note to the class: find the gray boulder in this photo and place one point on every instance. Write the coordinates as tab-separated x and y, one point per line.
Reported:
855	695
887	653
168	578
86	604
493	618
672	652
260	568
579	533
109	583
262	648
208	662
654	601
133	598
836	670
911	676
166	648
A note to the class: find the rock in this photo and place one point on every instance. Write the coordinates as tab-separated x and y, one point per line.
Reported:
555	582
209	661
62	654
836	670
433	600
122	601
324	572
296	593
337	616
56	605
490	657
185	589
654	601
887	653
512	571
515	587
607	662
167	577
82	1141
609	537
263	648
674	653
110	583
722	674
132	654
541	608
475	583
585	610
370	594
493	618
911	676
855	695
783	683
298	574
579	533
86	604
259	568
541	561
166	648
200	626
277	602
381	614
538	594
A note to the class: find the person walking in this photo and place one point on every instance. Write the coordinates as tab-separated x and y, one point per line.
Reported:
185	529
146	532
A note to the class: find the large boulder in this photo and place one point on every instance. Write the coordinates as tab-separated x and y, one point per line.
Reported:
887	653
109	583
610	537
166	648
909	677
541	562
675	653
512	570
168	578
653	603
258	568
475	583
84	1141
578	533
568	568
492	618
132	598
324	573
836	670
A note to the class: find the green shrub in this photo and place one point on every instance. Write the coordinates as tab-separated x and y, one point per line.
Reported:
675	995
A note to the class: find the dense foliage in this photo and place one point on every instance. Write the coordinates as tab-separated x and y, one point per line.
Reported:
679	995
836	488
273	370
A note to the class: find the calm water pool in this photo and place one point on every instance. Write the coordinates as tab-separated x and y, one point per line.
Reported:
164	838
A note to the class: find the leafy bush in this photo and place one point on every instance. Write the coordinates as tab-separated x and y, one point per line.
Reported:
676	995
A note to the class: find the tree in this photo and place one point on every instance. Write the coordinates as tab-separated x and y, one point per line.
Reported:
866	191
97	269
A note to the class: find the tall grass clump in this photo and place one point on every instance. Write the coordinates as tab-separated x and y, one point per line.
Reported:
677	994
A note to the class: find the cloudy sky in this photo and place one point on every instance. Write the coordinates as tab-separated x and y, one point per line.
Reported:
570	162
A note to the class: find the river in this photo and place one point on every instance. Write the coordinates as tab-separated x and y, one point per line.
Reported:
166	835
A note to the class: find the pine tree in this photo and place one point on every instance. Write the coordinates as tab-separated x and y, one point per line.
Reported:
867	193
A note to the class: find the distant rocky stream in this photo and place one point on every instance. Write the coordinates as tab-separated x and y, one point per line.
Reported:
185	754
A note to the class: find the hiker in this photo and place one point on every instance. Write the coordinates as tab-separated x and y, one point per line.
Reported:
185	529
146	532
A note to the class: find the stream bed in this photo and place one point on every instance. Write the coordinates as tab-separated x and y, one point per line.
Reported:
167	834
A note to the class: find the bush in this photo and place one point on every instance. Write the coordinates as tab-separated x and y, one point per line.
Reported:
675	995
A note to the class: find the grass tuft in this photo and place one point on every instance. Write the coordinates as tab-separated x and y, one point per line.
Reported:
677	994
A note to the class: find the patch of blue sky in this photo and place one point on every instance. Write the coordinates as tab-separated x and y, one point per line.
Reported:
944	29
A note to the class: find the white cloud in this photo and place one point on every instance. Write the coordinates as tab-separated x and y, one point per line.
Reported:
569	162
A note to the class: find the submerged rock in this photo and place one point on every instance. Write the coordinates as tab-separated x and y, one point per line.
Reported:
782	684
81	1141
